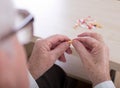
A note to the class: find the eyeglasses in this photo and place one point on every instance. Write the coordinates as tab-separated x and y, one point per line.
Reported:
24	33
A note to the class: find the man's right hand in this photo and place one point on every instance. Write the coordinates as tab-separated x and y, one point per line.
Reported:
94	55
46	52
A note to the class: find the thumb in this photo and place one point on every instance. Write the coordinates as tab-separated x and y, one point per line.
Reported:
80	48
60	49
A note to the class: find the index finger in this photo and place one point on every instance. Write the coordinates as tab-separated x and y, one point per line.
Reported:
56	40
93	35
90	42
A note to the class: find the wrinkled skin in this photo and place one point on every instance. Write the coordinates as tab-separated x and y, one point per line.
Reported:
94	55
90	46
46	52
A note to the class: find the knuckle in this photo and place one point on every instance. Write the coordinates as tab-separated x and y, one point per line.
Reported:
97	36
59	35
86	39
54	36
95	44
39	42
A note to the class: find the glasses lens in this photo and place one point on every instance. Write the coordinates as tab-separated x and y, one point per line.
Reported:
26	34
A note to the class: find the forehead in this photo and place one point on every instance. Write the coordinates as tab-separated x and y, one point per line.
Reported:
7	16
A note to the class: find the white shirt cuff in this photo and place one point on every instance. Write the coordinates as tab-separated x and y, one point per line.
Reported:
106	84
32	81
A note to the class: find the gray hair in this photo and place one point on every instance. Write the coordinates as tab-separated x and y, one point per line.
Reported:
7	16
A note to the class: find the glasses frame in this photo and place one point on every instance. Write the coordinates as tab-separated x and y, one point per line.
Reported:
24	23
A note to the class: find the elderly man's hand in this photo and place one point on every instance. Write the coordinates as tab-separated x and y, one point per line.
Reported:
94	55
46	52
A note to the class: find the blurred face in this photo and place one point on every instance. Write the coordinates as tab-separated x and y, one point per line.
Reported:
13	69
13	73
